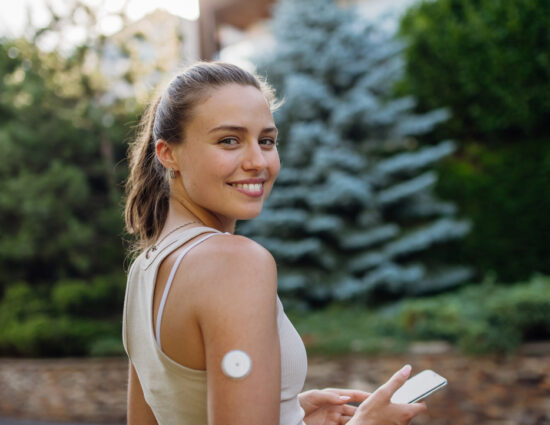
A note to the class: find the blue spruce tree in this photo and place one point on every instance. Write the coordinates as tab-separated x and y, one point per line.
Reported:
352	214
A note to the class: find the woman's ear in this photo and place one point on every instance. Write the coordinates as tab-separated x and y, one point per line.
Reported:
165	154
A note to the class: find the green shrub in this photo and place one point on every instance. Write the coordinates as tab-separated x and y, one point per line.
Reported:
21	301
71	320
483	338
524	309
488	61
479	319
41	335
102	297
106	346
483	318
505	191
339	329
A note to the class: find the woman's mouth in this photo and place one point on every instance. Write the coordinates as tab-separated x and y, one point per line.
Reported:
250	189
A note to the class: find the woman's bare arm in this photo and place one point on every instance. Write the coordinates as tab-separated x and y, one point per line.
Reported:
237	310
139	412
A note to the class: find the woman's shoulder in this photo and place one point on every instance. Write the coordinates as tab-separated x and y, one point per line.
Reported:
229	247
232	257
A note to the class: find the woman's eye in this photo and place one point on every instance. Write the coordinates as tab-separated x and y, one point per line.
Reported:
231	141
268	142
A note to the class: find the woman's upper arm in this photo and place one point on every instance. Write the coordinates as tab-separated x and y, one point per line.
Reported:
139	412
237	310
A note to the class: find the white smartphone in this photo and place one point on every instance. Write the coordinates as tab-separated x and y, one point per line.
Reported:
419	387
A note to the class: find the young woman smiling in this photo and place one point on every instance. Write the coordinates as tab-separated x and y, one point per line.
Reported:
206	156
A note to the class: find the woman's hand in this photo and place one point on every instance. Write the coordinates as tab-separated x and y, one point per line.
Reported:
378	408
328	406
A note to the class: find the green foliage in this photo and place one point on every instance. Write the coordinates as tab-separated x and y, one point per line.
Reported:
506	192
72	319
62	143
488	61
484	318
339	330
99	298
106	347
58	193
478	319
20	301
43	335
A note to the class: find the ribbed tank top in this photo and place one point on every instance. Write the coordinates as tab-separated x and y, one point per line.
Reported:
177	394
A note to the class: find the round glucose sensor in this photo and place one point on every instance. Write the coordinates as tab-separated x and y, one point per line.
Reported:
236	364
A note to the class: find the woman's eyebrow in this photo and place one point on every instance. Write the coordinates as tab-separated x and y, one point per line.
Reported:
227	127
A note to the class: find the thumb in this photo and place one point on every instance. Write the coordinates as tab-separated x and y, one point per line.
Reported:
397	380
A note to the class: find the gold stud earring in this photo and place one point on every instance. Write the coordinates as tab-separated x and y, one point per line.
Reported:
172	173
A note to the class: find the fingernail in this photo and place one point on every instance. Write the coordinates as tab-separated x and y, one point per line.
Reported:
344	397
406	370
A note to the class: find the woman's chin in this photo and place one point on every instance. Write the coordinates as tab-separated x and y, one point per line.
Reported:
249	215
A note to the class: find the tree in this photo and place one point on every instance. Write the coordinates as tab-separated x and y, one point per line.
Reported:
352	214
489	63
60	213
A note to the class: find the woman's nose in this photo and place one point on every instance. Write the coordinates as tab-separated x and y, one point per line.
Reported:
254	158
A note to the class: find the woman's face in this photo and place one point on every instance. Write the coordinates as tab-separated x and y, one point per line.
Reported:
228	161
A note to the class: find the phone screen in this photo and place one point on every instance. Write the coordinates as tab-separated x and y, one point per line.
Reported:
418	387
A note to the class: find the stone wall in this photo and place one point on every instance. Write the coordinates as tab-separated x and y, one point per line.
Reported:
488	390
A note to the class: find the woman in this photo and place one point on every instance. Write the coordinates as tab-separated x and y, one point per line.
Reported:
205	158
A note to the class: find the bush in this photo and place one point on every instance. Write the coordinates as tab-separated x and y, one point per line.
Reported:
102	297
45	336
21	301
506	193
489	61
479	319
107	346
75	318
484	318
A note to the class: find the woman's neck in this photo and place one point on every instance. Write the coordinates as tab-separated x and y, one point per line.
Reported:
181	211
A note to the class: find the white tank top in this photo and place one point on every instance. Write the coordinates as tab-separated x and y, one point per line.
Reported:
177	394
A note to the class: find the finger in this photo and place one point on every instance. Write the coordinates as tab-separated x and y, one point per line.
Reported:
330	397
355	395
344	419
418	408
348	410
396	381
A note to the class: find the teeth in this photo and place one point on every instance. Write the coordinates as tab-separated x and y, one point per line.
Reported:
253	187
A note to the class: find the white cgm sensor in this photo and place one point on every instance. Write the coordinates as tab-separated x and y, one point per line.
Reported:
236	364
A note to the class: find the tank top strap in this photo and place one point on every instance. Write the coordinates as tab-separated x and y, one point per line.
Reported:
157	253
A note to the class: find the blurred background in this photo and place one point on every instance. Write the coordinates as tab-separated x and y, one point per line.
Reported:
410	221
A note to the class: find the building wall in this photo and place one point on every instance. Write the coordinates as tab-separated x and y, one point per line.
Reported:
140	56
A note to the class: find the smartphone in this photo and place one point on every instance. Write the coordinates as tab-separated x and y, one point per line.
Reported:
419	387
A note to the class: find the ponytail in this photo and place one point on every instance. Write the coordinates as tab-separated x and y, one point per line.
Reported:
147	189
